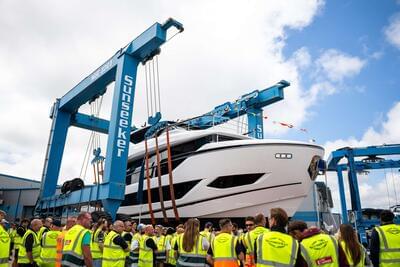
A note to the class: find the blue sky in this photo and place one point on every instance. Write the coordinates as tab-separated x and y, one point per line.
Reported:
356	28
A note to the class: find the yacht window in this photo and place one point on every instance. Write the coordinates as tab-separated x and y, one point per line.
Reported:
180	190
179	154
235	180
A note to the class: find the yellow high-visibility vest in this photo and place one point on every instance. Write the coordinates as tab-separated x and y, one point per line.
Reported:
22	255
195	257
72	250
223	247
17	240
94	245
389	243
41	232
320	249
171	254
161	244
48	252
276	249
348	255
250	238
113	255
207	234
134	255
145	253
4	247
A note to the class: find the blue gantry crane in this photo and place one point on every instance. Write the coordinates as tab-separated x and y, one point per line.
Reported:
121	68
250	104
371	161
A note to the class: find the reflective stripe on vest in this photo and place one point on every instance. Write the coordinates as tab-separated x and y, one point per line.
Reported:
350	261
41	232
48	252
72	250
251	237
134	255
22	255
389	241
4	246
223	247
276	249
113	255
161	243
128	242
320	249
94	245
206	233
145	253
171	254
195	257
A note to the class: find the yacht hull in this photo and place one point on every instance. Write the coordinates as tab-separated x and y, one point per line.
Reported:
268	174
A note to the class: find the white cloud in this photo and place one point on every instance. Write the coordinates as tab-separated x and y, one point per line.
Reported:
392	31
301	57
336	65
228	48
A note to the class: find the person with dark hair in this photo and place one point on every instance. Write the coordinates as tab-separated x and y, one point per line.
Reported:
21	229
296	229
250	237
318	248
385	242
191	245
207	232
225	249
276	247
170	237
235	229
97	241
354	251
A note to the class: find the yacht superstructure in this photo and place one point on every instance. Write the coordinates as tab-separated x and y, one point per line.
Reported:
218	174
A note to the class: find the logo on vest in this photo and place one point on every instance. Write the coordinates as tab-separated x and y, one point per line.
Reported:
222	239
318	244
324	260
276	242
393	231
53	235
4	237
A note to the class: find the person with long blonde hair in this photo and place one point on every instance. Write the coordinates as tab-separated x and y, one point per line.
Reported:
191	246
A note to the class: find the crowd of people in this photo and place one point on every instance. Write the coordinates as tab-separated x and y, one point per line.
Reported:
272	241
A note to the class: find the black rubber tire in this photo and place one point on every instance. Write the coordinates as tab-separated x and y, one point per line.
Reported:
66	187
77	184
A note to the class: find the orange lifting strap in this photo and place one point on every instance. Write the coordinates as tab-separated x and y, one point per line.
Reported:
160	192
171	181
153	221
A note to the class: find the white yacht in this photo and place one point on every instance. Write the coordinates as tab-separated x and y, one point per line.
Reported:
219	174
